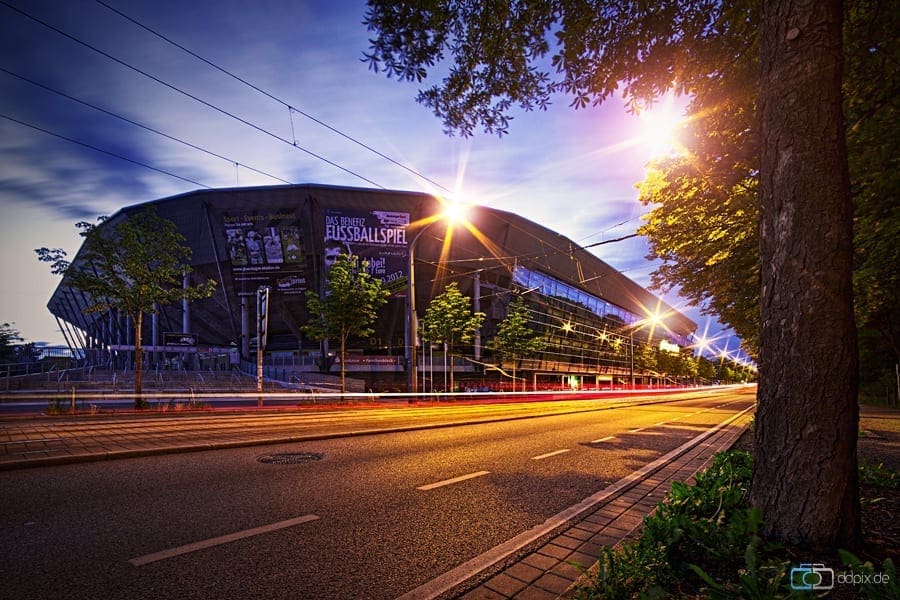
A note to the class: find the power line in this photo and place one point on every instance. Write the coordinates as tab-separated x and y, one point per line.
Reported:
618	239
145	127
188	94
610	228
101	150
269	95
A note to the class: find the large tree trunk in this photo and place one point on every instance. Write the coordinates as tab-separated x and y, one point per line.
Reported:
805	481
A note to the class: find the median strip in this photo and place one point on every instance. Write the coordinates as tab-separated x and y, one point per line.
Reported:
432	486
217	541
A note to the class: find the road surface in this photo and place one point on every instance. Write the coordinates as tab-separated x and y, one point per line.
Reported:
354	517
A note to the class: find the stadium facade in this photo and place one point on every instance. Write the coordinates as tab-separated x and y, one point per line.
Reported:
593	319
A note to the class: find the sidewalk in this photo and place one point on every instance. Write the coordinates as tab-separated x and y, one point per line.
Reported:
550	565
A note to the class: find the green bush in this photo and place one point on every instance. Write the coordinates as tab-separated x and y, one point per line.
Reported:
703	541
878	476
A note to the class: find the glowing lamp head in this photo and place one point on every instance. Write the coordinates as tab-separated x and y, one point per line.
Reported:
455	211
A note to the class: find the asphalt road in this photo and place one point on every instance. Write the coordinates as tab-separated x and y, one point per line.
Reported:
373	517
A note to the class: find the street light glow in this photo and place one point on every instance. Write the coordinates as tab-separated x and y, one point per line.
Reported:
455	211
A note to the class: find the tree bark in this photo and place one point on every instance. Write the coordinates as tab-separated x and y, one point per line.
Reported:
805	480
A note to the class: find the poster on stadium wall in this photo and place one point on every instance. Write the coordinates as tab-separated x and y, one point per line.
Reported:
266	248
376	236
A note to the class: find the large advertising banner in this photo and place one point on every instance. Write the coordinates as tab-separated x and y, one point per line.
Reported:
266	248
376	236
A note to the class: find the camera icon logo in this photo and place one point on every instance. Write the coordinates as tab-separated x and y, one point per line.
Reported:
812	576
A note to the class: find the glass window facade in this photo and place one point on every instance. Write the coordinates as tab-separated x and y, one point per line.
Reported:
549	286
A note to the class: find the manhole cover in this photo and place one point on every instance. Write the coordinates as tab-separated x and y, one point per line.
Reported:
290	458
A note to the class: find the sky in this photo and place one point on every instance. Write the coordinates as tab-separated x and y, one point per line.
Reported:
573	171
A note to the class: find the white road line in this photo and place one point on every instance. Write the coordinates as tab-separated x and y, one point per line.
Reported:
216	541
606	439
438	484
660	423
675	419
549	454
636	430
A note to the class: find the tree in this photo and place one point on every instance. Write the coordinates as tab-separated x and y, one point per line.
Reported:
349	305
704	221
449	320
694	46
515	339
645	357
707	241
871	80
131	265
706	369
808	353
9	339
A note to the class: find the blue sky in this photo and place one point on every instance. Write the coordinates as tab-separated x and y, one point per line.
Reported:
572	171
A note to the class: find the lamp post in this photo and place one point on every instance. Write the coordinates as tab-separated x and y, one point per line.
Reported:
453	211
412	323
631	366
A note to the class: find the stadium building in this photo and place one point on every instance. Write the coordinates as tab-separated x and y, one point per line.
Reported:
596	323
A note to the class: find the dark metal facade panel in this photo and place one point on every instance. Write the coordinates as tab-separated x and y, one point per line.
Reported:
497	241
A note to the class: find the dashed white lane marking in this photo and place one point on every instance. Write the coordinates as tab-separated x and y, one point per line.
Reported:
216	541
438	484
635	430
549	454
606	439
658	424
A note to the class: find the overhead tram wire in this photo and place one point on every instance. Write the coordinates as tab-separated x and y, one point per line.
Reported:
145	127
188	94
102	151
271	96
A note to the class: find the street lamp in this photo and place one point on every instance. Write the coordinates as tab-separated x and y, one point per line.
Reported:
453	211
412	324
653	319
631	367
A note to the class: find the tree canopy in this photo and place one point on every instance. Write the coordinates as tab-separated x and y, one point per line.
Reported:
131	266
9	339
349	306
515	337
703	226
597	48
449	319
765	81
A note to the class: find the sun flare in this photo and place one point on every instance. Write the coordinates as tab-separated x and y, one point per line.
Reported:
660	126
